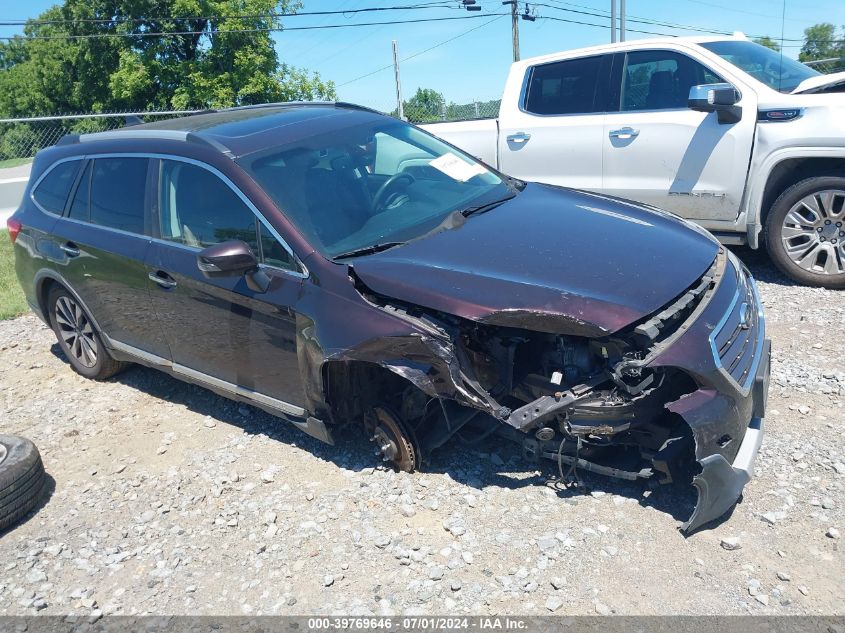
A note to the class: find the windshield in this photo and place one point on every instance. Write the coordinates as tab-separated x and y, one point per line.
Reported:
371	184
771	67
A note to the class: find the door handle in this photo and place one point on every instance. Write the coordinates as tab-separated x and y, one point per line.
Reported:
162	279
70	249
519	137
624	133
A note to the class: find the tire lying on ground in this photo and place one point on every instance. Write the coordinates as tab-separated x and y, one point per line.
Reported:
22	479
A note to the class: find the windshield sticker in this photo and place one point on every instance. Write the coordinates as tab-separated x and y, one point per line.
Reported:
456	168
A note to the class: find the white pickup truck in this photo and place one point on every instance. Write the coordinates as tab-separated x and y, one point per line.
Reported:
722	131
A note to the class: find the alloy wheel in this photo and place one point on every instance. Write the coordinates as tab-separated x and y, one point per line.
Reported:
813	232
76	331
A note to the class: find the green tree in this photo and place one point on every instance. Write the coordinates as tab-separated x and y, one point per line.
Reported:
226	59
820	43
426	105
768	42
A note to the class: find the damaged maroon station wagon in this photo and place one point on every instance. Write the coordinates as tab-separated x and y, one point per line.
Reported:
338	267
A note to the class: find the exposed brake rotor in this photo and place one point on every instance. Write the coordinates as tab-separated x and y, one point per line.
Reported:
394	442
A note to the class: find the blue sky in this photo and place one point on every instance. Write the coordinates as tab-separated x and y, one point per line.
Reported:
474	66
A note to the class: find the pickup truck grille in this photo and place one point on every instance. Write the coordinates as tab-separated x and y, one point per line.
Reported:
738	337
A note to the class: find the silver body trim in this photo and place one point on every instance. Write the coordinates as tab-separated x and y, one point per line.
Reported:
750	447
129	133
211	381
761	333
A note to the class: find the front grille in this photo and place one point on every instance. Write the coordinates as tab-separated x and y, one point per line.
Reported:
738	338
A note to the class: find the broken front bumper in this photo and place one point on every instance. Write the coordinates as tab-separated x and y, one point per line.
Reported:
720	483
727	353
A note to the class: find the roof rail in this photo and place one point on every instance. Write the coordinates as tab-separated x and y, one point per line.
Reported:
277	104
183	135
131	133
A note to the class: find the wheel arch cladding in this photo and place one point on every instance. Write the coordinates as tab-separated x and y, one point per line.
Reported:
790	171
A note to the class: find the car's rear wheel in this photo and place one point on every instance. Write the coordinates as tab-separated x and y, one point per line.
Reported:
805	232
78	337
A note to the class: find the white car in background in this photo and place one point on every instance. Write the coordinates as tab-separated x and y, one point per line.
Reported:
746	142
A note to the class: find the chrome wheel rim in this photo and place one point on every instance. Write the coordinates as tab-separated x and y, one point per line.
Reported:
76	332
813	232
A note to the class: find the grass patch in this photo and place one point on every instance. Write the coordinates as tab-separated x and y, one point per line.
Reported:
12	301
14	162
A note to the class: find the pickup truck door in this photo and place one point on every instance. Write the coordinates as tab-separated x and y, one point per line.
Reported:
658	151
553	132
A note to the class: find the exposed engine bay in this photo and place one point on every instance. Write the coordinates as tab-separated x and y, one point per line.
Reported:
581	402
675	397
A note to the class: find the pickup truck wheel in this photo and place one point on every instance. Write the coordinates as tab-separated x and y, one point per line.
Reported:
805	232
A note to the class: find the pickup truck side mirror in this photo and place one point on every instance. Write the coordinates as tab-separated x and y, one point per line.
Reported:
719	98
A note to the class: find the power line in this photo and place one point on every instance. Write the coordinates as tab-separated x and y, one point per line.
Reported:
430	48
254	30
211	32
643	20
735	10
368	34
315	43
439	4
630	18
601	26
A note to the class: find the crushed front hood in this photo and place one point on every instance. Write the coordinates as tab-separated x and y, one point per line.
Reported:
550	259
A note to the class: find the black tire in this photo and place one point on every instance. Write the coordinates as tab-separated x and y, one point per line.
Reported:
774	226
22	479
103	366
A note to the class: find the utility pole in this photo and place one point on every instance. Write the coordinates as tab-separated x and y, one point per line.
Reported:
621	20
399	109
612	21
514	26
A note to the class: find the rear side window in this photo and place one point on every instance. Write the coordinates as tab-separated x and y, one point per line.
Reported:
118	186
567	87
51	193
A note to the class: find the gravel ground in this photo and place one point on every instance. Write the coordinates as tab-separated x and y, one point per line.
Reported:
169	499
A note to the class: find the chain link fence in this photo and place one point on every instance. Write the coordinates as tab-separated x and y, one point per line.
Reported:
22	138
442	111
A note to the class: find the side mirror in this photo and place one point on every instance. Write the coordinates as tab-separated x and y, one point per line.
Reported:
720	98
233	259
227	259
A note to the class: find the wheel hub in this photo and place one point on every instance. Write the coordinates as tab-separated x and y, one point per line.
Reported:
813	232
394	442
76	332
830	230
